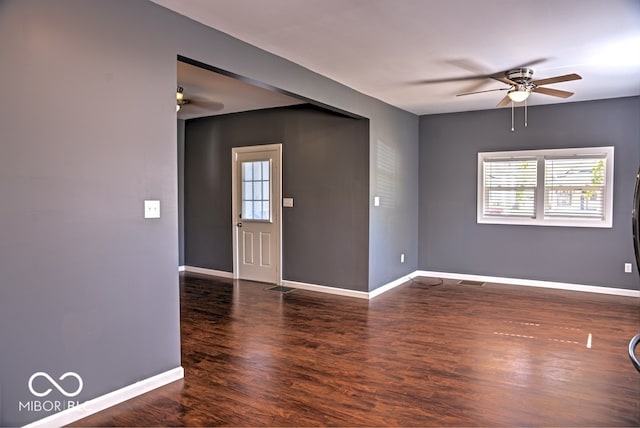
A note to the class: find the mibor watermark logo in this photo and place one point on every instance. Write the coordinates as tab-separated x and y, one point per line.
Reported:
41	384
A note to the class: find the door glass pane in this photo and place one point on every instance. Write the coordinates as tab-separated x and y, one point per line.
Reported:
247	190
257	211
247	171
247	208
256	190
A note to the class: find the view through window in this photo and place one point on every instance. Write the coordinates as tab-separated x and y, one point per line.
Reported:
559	187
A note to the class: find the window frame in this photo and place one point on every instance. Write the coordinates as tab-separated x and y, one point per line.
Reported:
607	152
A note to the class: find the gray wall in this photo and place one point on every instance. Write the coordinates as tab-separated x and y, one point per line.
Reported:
181	124
450	239
394	178
88	285
325	170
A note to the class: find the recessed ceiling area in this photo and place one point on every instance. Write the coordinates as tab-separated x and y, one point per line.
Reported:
210	93
419	54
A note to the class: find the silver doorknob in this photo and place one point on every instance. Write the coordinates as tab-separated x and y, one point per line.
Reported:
239	224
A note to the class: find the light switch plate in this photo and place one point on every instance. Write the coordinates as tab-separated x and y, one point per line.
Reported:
376	201
287	202
152	209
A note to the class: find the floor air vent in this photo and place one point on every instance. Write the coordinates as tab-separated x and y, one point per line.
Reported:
281	289
469	282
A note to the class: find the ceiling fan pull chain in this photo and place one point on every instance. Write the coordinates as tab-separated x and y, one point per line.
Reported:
512	128
525	113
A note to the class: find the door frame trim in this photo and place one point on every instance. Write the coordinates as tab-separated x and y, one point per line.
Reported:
277	205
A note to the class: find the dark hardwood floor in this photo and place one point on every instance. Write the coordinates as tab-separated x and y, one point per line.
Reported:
418	355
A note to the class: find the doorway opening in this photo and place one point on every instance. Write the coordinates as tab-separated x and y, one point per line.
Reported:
326	169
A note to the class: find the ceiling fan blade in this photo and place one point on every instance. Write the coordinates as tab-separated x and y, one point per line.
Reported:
470	65
480	92
500	77
474	67
506	100
478	69
553	92
479	72
557	79
531	63
209	105
448	79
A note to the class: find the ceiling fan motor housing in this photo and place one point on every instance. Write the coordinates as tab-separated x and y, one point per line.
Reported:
520	75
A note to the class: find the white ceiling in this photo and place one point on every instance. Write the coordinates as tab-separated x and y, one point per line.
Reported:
400	51
211	94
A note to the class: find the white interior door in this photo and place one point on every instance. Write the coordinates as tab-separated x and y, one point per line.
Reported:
257	212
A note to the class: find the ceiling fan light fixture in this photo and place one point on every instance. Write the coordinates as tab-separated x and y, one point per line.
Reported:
518	95
180	99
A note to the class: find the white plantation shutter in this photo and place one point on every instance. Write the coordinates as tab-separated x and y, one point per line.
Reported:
575	187
556	187
510	187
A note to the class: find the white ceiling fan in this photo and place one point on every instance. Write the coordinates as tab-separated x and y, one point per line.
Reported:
521	85
196	102
180	99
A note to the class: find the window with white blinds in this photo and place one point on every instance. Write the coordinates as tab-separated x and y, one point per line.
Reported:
560	187
575	188
510	188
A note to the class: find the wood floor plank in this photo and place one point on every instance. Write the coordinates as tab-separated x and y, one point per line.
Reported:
445	355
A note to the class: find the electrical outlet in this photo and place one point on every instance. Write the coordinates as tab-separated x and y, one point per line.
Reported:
628	268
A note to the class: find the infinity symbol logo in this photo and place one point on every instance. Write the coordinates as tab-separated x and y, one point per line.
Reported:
55	384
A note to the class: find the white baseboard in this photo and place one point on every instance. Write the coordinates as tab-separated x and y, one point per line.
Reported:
286	283
445	275
203	271
326	289
103	402
391	285
307	286
532	283
346	292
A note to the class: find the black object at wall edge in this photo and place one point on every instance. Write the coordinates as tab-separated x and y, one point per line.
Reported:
636	222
